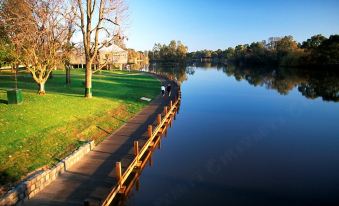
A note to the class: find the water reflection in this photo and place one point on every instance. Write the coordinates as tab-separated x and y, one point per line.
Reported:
133	181
312	84
133	184
174	72
236	143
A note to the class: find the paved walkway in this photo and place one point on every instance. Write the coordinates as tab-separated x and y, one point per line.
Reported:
93	177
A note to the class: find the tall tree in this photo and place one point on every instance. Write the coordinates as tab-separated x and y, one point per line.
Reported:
328	51
7	51
97	20
38	32
181	51
8	55
173	52
313	42
286	45
4	44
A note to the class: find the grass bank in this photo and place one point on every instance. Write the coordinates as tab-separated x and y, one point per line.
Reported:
44	129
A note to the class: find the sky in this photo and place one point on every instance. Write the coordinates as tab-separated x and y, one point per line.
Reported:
219	24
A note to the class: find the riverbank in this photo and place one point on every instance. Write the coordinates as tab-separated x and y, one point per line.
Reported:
43	130
94	177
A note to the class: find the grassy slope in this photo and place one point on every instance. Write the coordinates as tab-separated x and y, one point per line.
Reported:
46	128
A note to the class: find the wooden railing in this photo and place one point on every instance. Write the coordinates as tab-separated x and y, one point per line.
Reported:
154	135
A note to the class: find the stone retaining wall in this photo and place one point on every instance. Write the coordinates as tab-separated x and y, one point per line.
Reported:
34	184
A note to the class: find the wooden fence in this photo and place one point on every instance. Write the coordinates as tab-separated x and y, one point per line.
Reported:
142	155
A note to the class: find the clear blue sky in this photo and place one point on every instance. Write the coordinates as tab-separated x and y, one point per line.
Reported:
213	24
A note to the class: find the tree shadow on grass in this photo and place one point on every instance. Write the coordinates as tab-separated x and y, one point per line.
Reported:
109	86
120	120
102	129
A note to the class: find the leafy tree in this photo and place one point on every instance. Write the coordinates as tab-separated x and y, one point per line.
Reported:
219	54
314	42
328	51
4	53
37	36
173	52
136	56
285	45
3	42
181	51
229	53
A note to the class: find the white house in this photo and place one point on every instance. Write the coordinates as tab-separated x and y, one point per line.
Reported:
110	56
114	55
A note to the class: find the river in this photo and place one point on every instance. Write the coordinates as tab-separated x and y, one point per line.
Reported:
248	137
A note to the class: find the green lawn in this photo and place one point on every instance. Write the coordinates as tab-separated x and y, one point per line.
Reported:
45	129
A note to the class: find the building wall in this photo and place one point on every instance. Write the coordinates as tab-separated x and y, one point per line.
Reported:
111	57
120	58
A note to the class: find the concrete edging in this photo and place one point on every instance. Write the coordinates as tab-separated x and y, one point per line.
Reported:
31	186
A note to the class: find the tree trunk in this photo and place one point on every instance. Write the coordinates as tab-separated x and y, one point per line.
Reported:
42	89
50	75
15	70
68	75
88	82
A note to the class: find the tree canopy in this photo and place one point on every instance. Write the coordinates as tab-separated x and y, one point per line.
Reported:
37	33
175	51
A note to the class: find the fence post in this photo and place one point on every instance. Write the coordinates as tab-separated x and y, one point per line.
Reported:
150	131
136	149
171	103
118	172
166	110
159	119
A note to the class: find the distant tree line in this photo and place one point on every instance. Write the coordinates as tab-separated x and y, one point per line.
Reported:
174	52
315	51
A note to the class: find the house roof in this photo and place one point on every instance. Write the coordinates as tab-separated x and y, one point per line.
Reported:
112	48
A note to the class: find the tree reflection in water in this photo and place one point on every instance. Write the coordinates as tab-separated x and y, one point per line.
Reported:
174	72
311	83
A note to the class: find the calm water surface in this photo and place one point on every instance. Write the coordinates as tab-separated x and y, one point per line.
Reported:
246	137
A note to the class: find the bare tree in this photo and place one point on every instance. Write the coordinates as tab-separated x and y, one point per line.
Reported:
98	21
38	31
